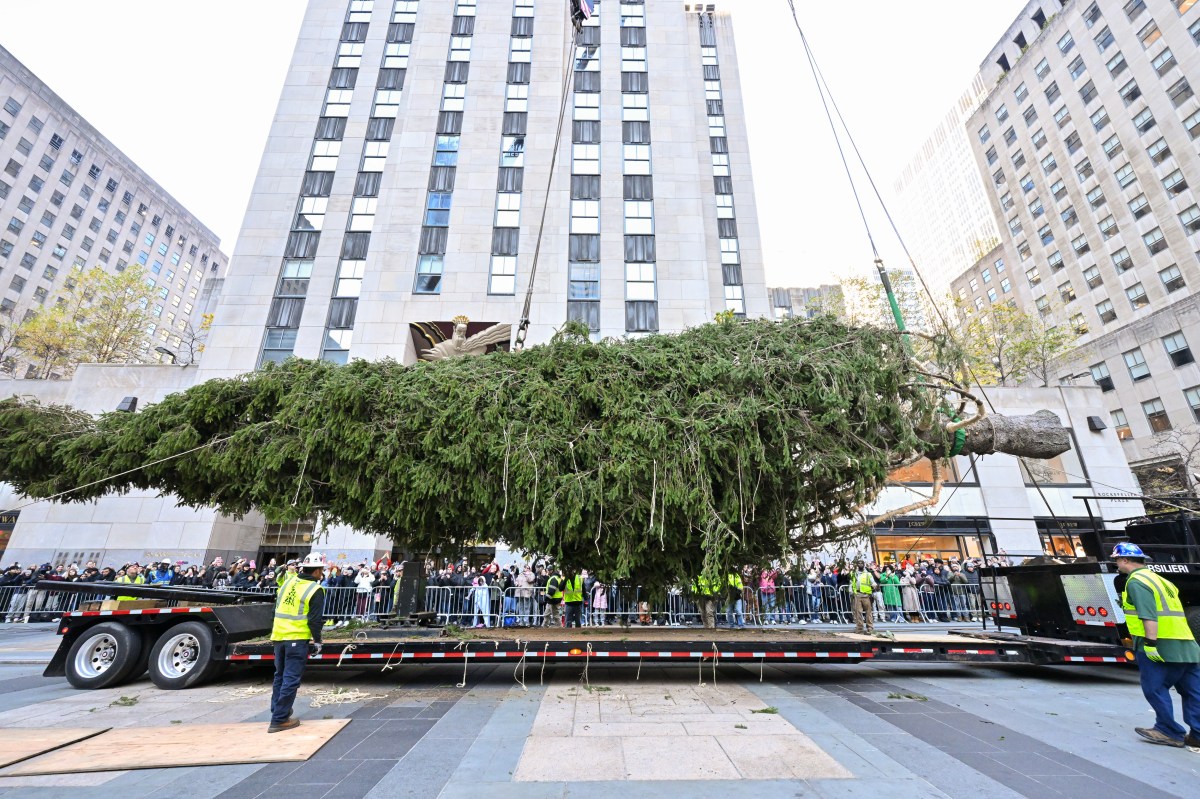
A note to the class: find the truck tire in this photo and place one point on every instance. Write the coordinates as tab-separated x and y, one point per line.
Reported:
1193	617
103	656
182	657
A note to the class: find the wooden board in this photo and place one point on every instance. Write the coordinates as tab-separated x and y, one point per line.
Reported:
923	638
17	744
183	745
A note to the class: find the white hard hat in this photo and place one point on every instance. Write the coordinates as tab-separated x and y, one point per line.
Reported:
313	560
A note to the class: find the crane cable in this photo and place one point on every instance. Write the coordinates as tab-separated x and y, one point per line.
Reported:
823	90
523	325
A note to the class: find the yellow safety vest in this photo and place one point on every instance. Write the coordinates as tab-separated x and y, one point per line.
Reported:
702	586
862	583
574	590
291	609
554	587
1172	621
124	580
735	581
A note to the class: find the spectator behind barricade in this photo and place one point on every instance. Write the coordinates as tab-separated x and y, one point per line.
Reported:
910	599
599	602
971	572
890	584
214	569
958	594
190	578
221	581
72	575
159	574
364	581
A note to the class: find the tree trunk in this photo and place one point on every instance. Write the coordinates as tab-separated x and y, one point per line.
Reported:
1039	435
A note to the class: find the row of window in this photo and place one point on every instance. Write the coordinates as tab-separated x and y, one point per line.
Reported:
1174	344
1156	414
502	270
583	264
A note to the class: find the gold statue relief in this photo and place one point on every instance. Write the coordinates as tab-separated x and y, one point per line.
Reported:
459	344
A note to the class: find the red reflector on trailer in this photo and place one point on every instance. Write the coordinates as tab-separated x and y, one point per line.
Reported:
1080	610
1008	606
1104	612
63	631
1091	611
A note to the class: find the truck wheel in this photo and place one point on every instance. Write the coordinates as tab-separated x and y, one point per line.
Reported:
1193	617
182	657
103	656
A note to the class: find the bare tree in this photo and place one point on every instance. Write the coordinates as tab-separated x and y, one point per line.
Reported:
192	340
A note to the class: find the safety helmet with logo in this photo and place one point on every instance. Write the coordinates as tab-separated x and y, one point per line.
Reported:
313	560
1125	549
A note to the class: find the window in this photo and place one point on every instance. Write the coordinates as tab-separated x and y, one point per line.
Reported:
1095	197
1010	137
1159	151
1156	415
1084	170
990	154
1129	92
1066	43
1122	260
1043	306
1104	39
1006	285
999	265
1026	183
516	98
1106	312
325	155
1062	116
1101	376
429	275
1099	119
1023	250
1092	276
1112	146
637	159
446	151
437	209
1021	92
984	134
1080	244
586	159
1136	363
1163	62
1177	349
1183	6
1172	278
1175	182
1018	159
1039	138
974	284
1155	241
1091	15
1088	92
1006	202
1192	395
454	96
1137	296
1116	65
1014	225
1069	217
1066	293
1144	121
1029	115
375	156
460	49
1190	219
1139	206
1055	261
1108	227
1125	176
1121	425
1042	69
1001	113
1033	276
1180	92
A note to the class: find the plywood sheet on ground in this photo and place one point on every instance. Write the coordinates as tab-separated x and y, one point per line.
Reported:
18	743
183	745
924	638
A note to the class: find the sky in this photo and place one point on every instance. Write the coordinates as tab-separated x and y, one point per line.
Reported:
188	91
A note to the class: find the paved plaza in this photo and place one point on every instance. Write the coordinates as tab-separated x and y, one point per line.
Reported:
823	731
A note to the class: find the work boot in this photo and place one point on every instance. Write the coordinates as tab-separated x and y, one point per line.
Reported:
1157	737
291	724
1192	742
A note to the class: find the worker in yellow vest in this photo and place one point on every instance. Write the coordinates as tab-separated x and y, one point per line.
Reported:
1165	648
573	599
862	590
296	633
132	576
705	594
554	598
733	608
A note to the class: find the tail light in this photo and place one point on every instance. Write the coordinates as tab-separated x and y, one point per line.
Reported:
995	606
1080	610
1008	606
1091	611
1104	612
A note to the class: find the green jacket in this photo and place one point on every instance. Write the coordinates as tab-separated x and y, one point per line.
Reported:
891	588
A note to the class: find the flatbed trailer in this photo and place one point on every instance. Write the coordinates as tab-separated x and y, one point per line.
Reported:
184	646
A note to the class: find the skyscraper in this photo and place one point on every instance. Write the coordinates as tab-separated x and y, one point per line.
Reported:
418	168
1088	143
70	200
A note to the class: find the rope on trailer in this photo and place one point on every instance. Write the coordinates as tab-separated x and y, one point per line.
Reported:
520	667
542	676
349	648
586	662
639	671
466	657
761	663
716	661
389	664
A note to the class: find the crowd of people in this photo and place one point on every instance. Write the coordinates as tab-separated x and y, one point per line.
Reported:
813	591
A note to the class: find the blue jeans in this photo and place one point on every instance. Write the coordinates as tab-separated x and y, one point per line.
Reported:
290	659
733	613
1157	681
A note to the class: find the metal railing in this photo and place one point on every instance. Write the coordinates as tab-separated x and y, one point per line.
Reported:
488	606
